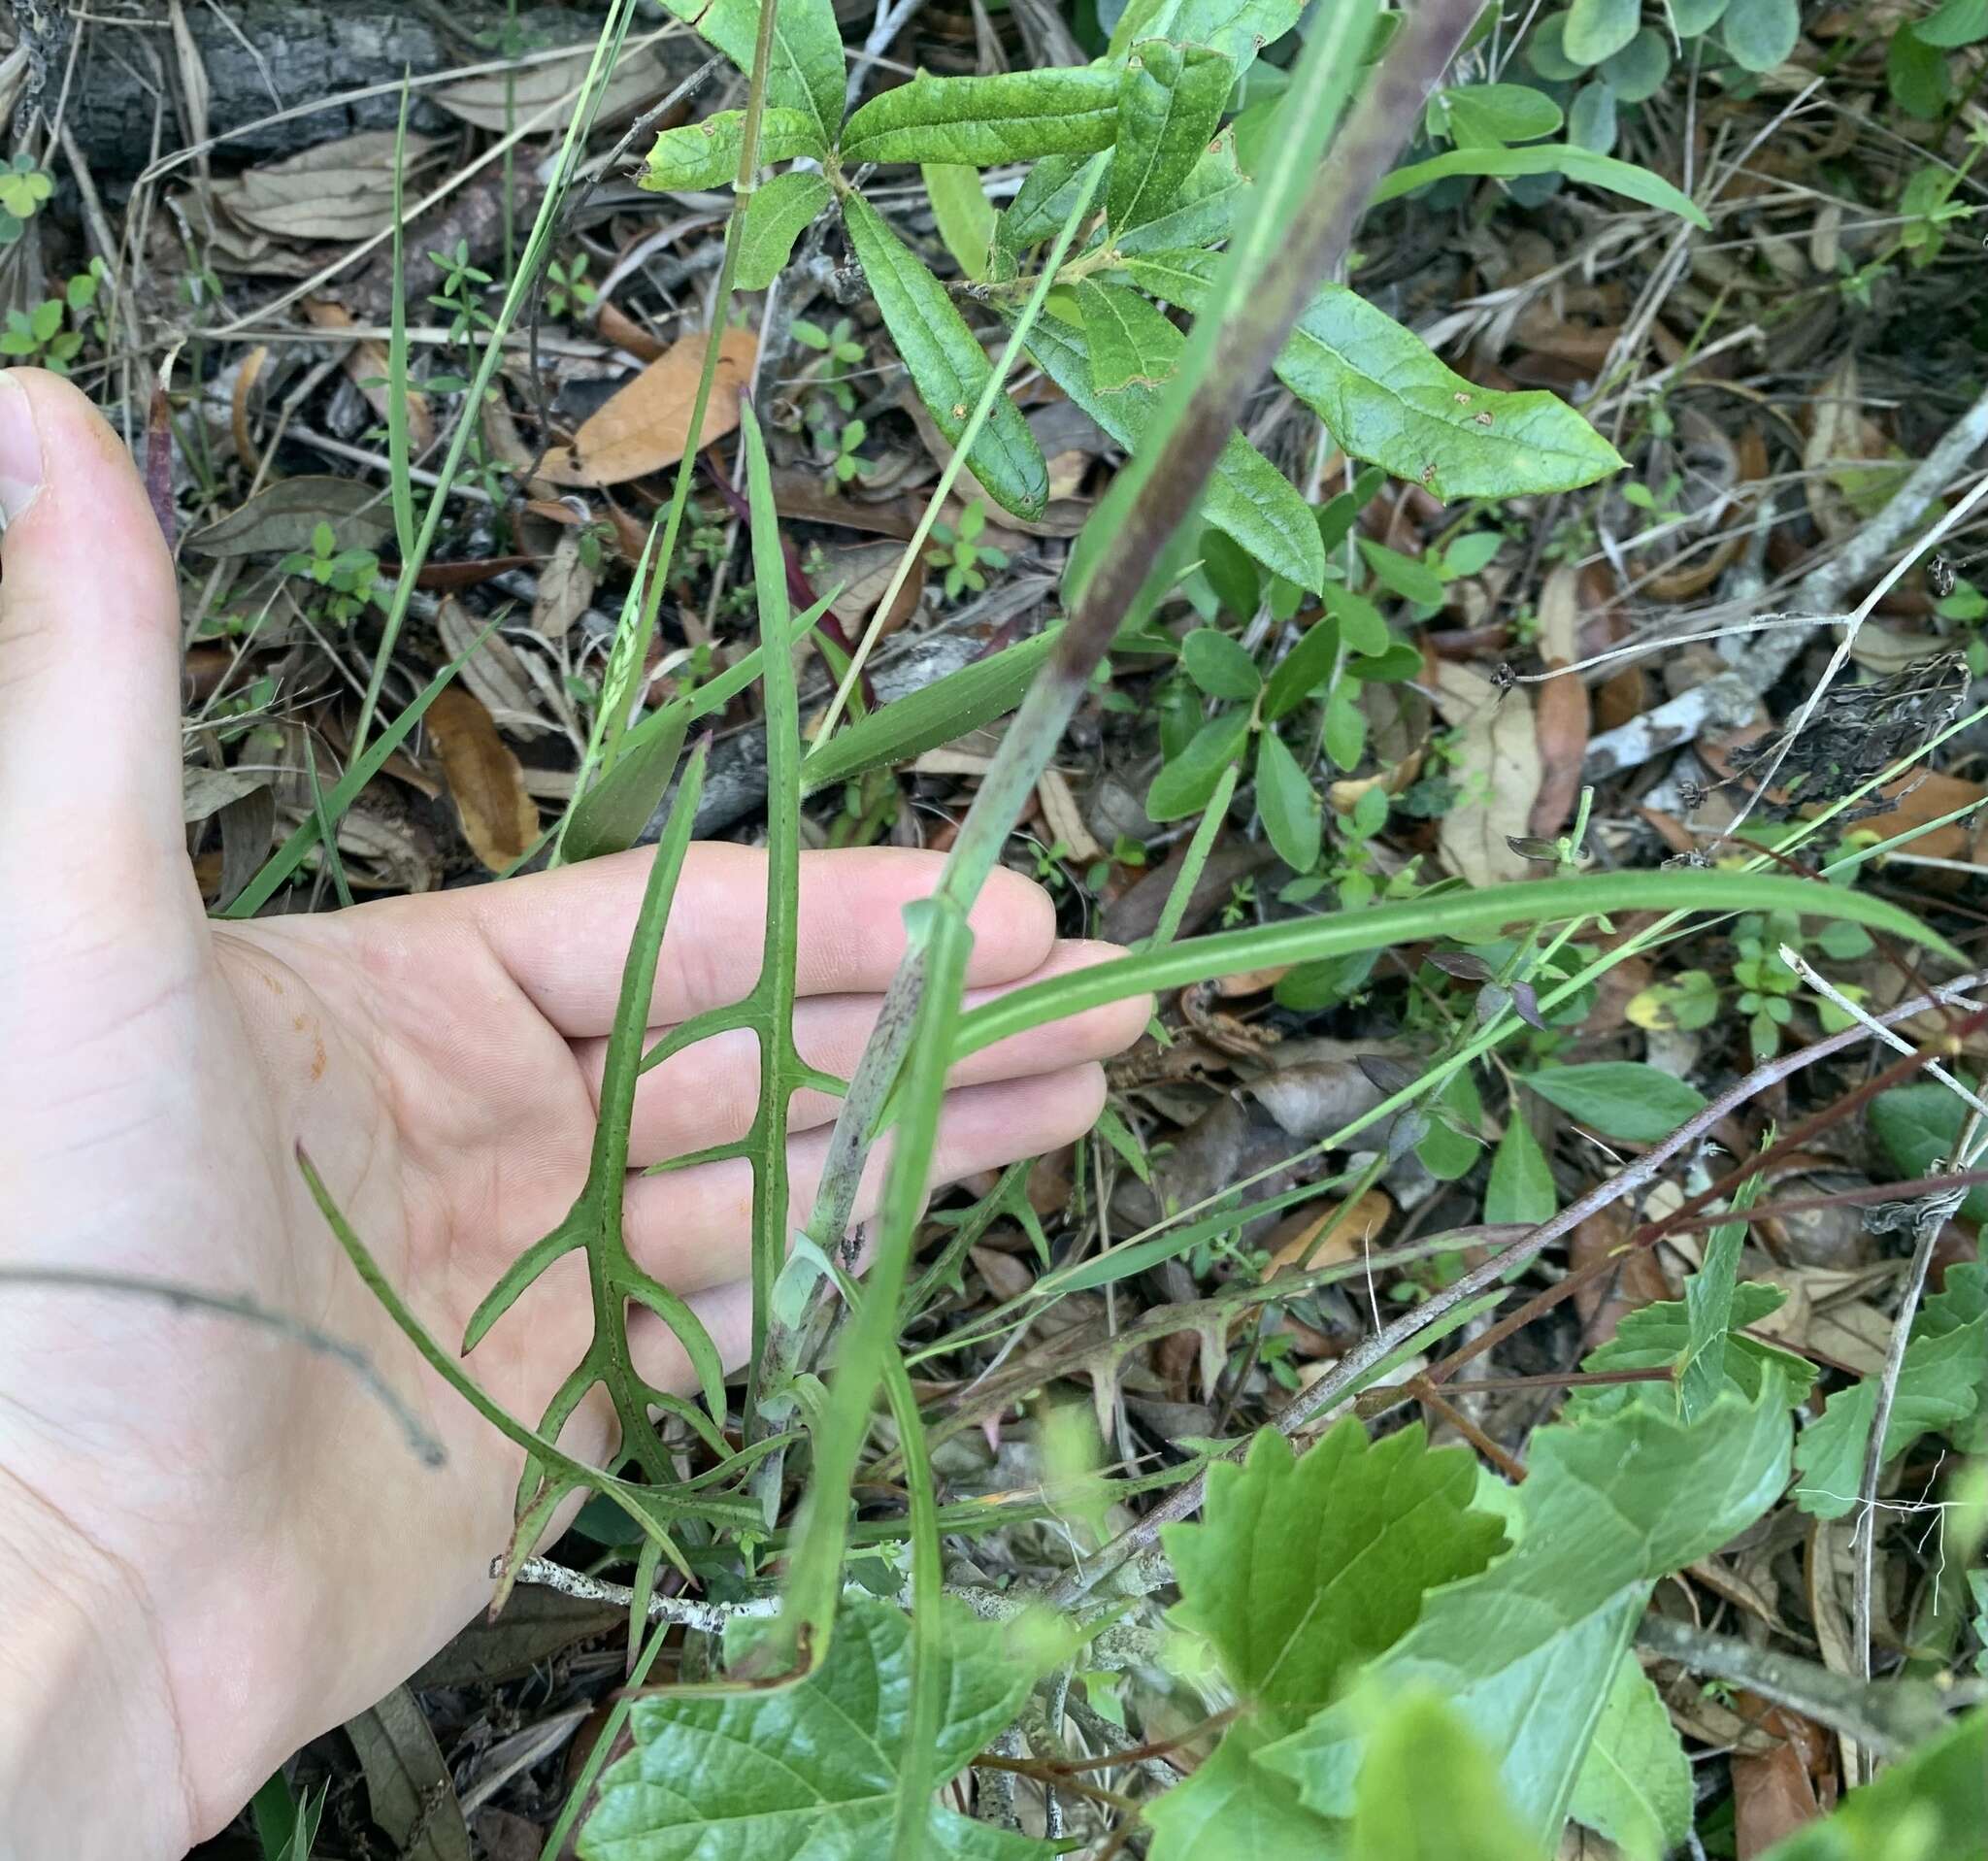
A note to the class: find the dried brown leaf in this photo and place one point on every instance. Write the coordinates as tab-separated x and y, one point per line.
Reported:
367	365
499	818
566	589
1496	766
408	1783
339	190
501	100
1560	706
643	426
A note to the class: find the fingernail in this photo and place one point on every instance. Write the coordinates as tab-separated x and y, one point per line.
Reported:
21	450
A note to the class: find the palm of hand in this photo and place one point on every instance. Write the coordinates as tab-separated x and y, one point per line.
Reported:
243	1506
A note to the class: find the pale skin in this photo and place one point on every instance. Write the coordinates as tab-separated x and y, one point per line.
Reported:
214	1543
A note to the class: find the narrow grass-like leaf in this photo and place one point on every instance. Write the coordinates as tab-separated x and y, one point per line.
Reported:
780	213
1459	914
1169	105
399	448
1546	159
940	713
948	365
1013	115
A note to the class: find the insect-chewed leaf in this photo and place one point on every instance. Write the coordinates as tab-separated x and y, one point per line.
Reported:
706	154
1169	105
1237	28
942	711
774	219
1389	400
1304	1569
805	72
1526	1650
1249	499
1014	115
814	1768
948	365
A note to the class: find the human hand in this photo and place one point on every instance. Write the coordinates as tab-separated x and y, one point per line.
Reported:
214	1543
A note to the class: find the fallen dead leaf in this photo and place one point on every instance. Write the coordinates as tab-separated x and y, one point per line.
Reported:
1354	1228
1495	764
566	589
493	671
339	190
366	363
1772	1792
1560	706
859	573
642	427
499	818
1064	818
501	100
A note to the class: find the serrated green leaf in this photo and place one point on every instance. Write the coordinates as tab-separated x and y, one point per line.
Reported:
1931	1805
943	711
1760	33
1598	29
948	365
1170	106
1387	398
1428	1790
775	218
1183	787
812	1768
1521	1187
805	72
1620	1098
1302	1568
1659	1334
1942	1382
965	214
1546	159
1203	206
1249	499
1238	29
1113	331
1703	1366
706	154
1288	804
1218	665
1526	1650
1492	114
1011	116
1635	1786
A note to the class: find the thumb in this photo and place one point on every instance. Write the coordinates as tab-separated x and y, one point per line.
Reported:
89	657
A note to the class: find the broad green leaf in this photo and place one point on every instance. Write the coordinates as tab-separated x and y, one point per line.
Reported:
775	218
706	154
811	1770
1304	1568
1638	71
1469	916
1387	398
1956	22
1481	116
1406	576
1450	1148
1249	499
1701	1366
1591	117
1042	203
1237	580
1942	1384
1620	1098
1546	158
1919	1125
1635	1786
807	72
1931	1805
1527	1650
1360	623
1218	665
1304	669
948	365
1183	787
610	817
1201	209
1288	804
1238	29
1429	1789
1170	106
943	711
1521	1187
1690	17
1118	334
1660	1334
965	214
1760	33
1011	116
1598	29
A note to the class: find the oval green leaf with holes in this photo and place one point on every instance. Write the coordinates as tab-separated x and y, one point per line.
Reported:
948	365
1011	116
